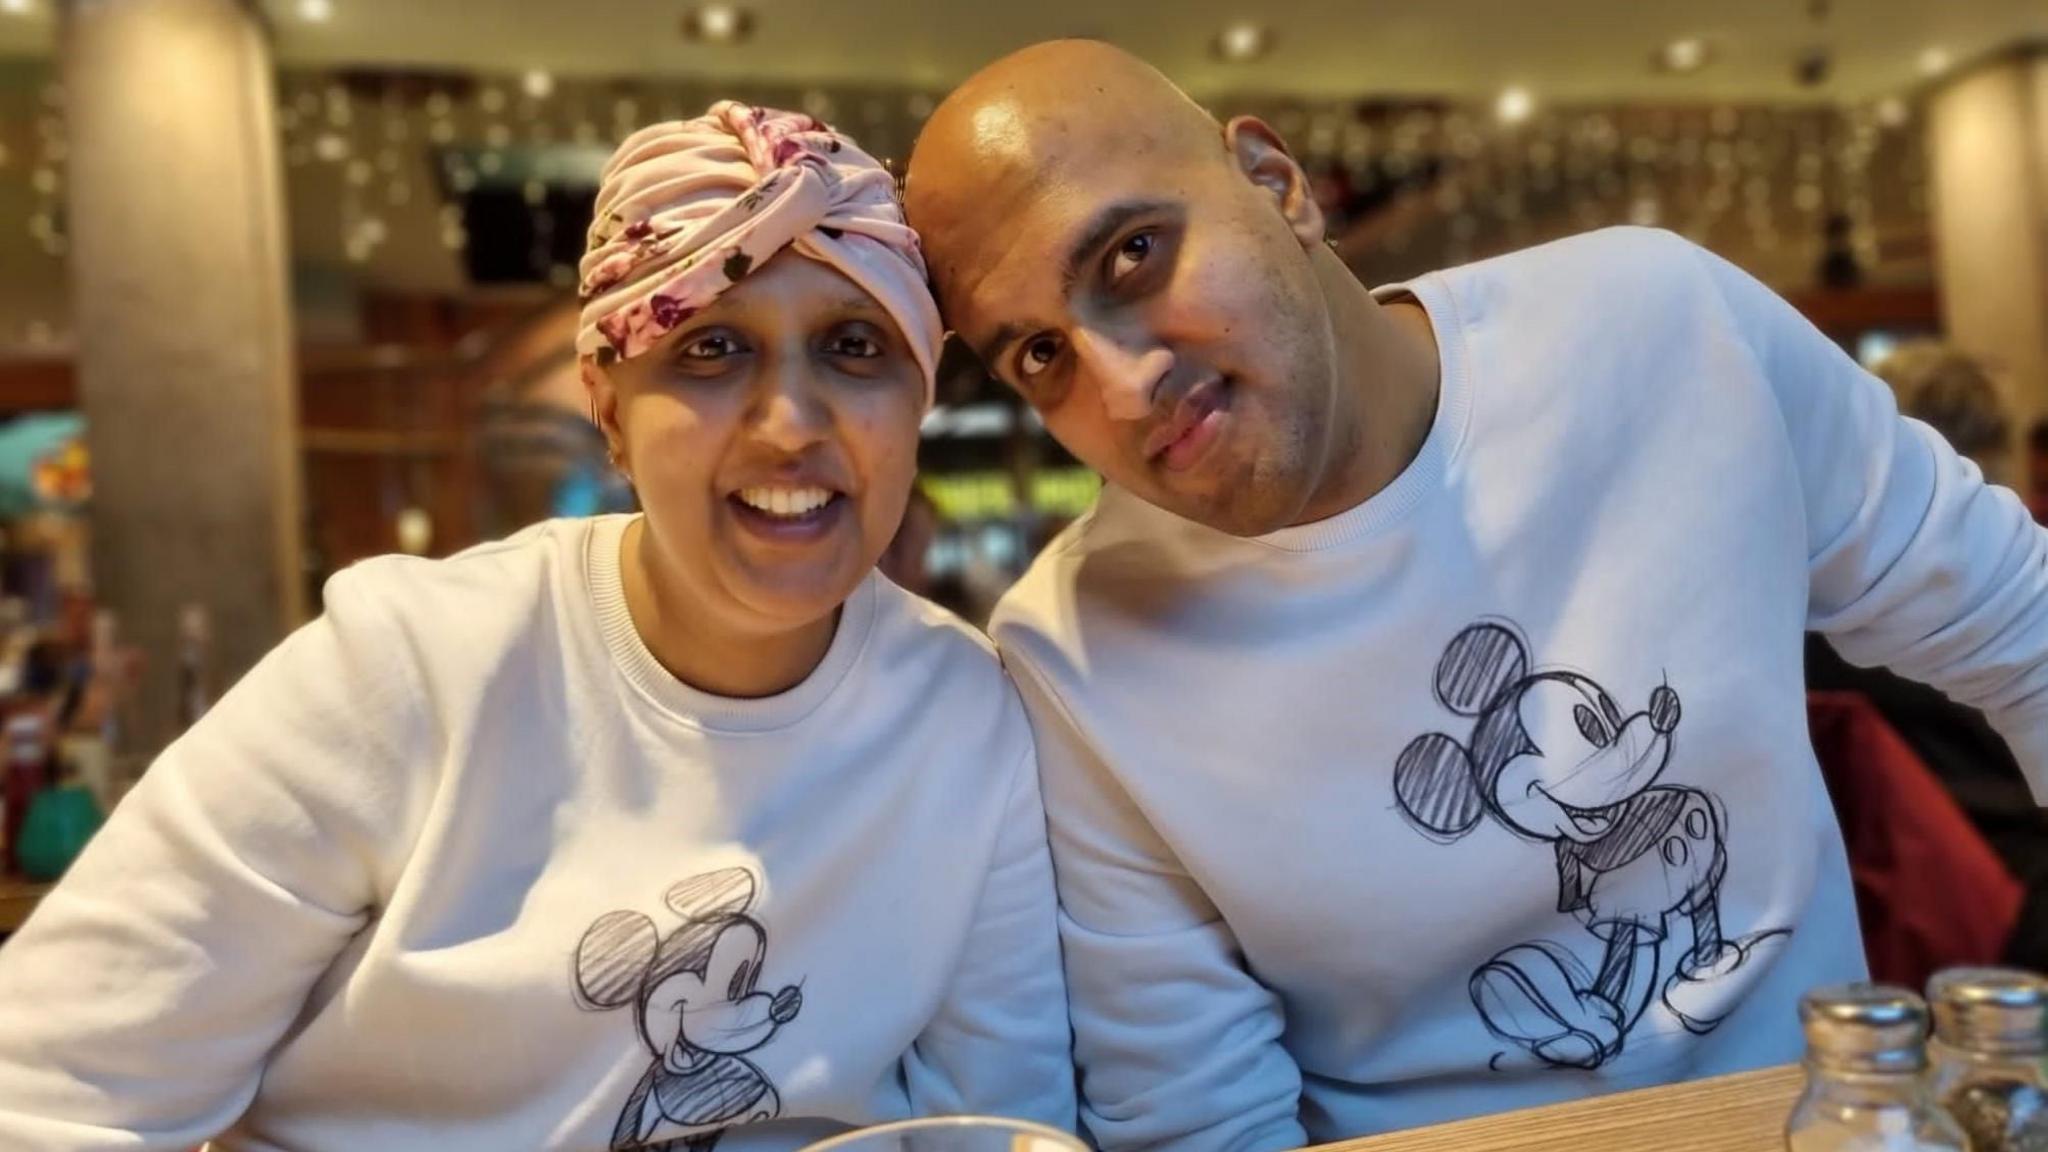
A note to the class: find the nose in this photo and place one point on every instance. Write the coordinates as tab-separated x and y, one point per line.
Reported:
786	1005
788	409
1128	379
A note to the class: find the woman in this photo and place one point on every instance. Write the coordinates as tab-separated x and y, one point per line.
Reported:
661	831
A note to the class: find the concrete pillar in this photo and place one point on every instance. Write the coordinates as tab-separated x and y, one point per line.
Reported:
1988	148
183	321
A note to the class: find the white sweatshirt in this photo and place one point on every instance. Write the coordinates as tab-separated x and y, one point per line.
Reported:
460	866
1496	790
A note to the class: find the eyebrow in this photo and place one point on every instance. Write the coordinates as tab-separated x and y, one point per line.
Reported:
856	305
838	308
1100	231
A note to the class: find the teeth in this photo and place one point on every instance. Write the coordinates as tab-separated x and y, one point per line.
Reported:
785	501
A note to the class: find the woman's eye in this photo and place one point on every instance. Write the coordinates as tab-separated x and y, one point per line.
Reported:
710	346
859	347
1131	253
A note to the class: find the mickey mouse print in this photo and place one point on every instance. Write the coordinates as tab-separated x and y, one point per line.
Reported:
697	1007
1552	757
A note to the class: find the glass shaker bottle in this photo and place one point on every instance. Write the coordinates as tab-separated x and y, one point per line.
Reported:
1865	1052
1990	1037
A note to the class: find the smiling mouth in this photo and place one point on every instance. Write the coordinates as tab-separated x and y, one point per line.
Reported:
786	514
786	503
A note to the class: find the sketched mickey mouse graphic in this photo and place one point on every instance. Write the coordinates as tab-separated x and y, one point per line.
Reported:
695	1007
1552	757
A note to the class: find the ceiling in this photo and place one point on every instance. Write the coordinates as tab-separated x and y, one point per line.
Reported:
1560	50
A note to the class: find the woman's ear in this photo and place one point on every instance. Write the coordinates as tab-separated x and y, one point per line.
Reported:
603	393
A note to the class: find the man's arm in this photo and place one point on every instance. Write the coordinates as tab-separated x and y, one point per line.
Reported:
1178	1045
1914	561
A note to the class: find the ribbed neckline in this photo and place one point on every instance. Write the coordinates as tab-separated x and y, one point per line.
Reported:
700	709
1425	473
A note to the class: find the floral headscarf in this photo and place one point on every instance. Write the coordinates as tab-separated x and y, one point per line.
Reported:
687	208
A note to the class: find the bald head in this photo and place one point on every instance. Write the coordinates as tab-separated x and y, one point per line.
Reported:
1145	277
1039	117
1036	93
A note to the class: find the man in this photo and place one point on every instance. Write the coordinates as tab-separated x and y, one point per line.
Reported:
1420	709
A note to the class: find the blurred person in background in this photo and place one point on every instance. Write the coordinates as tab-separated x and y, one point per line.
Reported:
2036	478
1420	710
907	559
1950	391
662	831
540	455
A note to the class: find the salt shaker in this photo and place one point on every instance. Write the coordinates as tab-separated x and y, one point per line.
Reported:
1990	1038
1865	1052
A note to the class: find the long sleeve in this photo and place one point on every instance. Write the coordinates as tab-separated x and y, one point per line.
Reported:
1178	1044
1000	1044
143	997
1915	562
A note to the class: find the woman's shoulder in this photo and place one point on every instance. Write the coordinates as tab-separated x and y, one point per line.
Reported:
947	658
909	621
497	581
455	620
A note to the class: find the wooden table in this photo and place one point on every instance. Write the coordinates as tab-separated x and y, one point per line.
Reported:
17	899
1743	1113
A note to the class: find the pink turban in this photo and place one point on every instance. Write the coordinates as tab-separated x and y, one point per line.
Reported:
687	208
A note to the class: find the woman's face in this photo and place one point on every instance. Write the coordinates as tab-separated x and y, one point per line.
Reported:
772	440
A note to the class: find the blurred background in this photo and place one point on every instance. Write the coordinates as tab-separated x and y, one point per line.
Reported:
286	284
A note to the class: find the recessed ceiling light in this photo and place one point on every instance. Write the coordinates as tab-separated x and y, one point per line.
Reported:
1242	41
1689	54
1934	62
718	24
538	84
316	11
1515	105
15	7
1892	112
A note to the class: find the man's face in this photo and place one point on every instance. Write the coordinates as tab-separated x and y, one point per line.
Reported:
1155	303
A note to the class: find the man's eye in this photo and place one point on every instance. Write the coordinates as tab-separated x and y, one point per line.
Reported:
1131	253
1037	356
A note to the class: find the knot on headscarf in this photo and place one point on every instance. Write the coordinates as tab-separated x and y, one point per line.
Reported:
687	208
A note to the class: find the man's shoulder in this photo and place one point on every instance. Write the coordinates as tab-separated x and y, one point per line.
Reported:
1623	247
1046	609
1621	268
1040	604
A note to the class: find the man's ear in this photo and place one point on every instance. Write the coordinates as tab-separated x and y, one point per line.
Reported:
1263	158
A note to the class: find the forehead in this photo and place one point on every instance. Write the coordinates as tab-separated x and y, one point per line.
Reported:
998	253
791	278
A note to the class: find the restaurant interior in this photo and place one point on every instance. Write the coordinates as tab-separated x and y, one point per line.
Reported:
285	284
